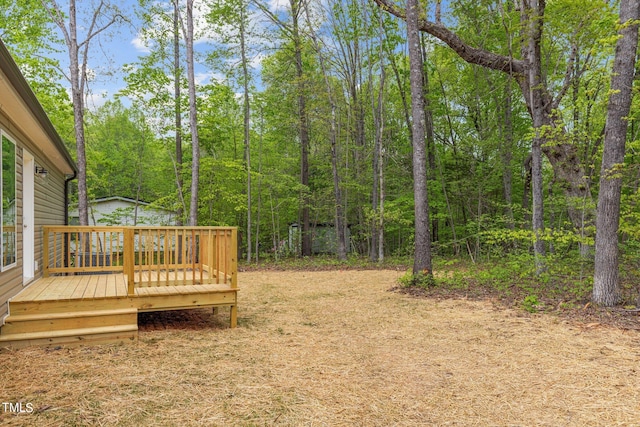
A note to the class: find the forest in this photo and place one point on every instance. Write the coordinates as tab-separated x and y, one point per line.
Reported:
501	133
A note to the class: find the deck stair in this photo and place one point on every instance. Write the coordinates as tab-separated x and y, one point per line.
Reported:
80	310
52	328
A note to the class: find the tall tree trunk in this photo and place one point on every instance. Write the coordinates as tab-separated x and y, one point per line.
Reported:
339	225
247	123
507	155
422	252
178	114
431	142
293	32
532	13
258	210
378	176
78	77
77	73
193	118
606	287
303	126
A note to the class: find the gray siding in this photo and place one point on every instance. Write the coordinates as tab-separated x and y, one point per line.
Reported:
48	210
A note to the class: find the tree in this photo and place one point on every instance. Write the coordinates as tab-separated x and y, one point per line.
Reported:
103	16
292	31
187	32
222	16
25	29
148	82
339	224
177	99
126	159
541	95
605	280
422	251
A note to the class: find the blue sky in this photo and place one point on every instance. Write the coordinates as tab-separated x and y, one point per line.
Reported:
121	44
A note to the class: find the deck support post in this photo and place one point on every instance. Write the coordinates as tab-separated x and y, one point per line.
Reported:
233	316
45	251
232	252
129	259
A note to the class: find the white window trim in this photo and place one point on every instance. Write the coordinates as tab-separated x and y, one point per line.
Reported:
4	134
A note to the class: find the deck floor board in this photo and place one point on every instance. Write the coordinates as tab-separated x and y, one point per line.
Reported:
99	286
64	288
31	291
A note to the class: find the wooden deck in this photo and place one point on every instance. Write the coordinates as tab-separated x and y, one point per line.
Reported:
89	309
97	303
65	288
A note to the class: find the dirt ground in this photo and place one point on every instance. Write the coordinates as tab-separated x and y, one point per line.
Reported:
335	348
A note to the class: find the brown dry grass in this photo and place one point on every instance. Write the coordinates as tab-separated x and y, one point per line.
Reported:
335	348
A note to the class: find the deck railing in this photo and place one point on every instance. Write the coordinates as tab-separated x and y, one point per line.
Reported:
148	256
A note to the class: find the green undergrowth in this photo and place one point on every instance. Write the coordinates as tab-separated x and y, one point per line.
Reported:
326	262
565	282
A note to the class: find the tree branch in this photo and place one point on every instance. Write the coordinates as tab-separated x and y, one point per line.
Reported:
470	54
273	17
92	34
58	17
568	78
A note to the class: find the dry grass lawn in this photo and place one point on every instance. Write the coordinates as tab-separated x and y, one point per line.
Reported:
336	348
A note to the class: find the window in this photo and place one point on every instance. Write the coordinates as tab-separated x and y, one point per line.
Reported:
8	248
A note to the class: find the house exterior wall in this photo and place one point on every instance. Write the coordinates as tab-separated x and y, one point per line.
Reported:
100	209
48	210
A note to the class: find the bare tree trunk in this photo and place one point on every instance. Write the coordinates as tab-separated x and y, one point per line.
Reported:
78	78
379	149
507	156
531	18
606	287
303	126
377	198
178	113
257	245
422	255
339	225
526	206
431	142
193	118
247	123
381	204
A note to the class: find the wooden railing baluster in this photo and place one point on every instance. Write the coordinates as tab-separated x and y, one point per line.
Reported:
148	256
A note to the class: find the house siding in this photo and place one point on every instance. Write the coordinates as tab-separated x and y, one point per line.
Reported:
48	210
101	208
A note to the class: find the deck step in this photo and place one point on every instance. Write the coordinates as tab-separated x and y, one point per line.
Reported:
80	336
67	306
184	297
41	322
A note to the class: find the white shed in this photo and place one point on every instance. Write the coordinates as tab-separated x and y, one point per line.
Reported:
123	211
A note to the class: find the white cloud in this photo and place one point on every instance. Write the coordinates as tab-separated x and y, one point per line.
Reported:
275	5
204	78
140	45
256	61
